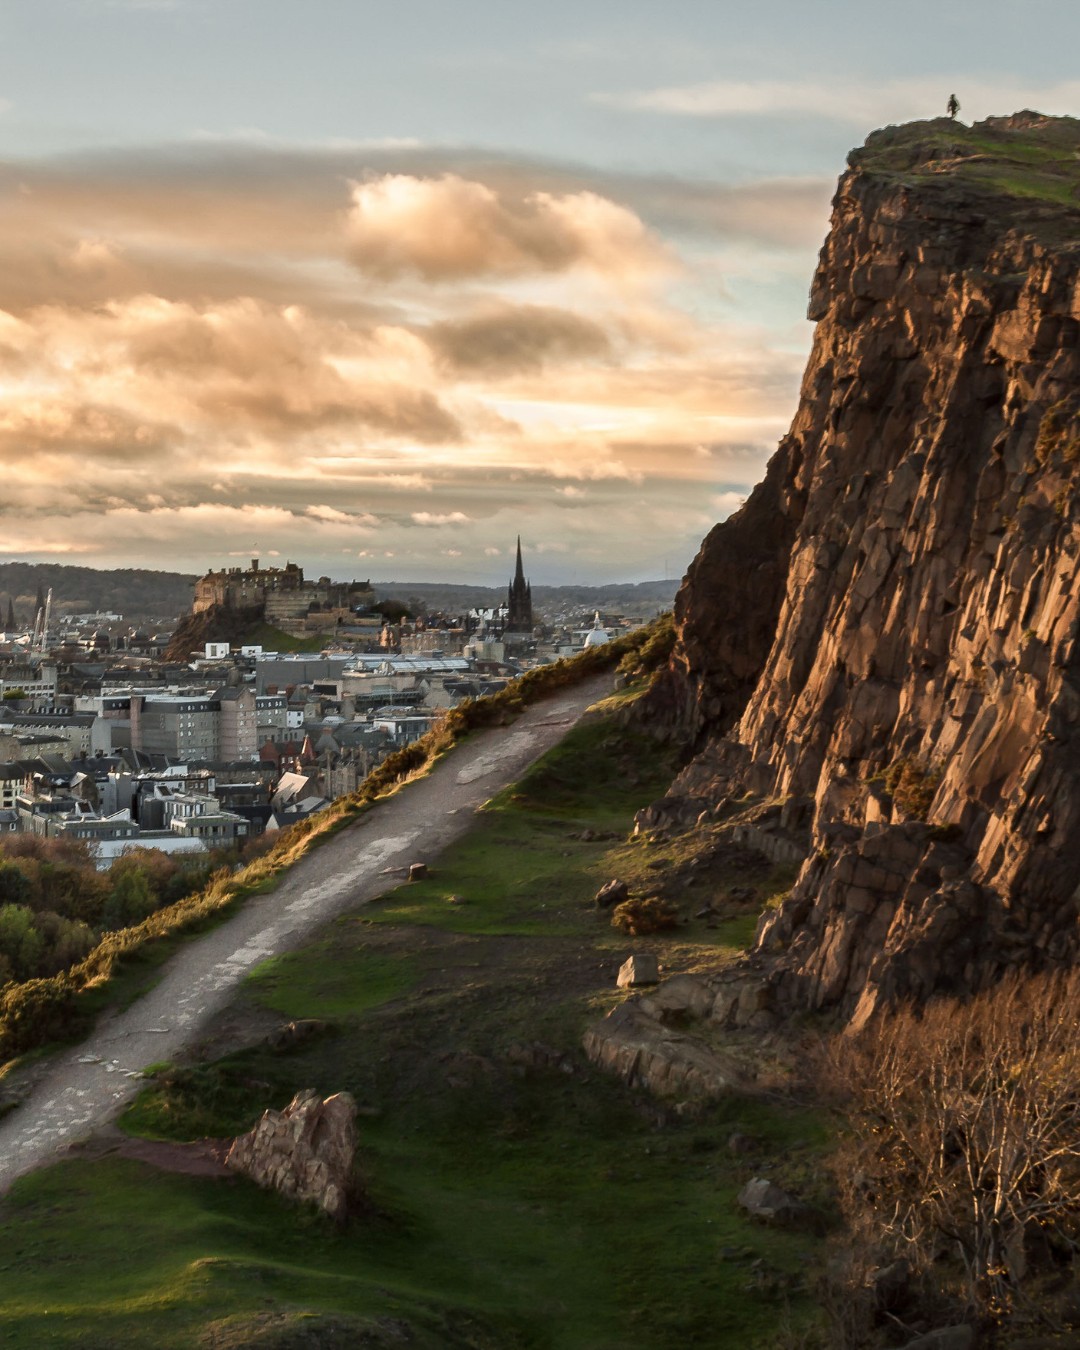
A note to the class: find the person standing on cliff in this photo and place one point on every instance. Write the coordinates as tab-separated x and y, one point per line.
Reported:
953	106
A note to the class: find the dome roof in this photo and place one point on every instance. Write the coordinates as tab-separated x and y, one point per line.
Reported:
596	637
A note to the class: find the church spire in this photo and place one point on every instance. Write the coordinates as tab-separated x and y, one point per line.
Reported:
519	618
519	574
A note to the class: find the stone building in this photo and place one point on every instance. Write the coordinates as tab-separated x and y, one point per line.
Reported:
282	593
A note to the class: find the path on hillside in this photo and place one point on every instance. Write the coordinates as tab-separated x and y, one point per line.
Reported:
85	1087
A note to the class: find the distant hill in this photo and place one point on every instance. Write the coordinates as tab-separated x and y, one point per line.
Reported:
637	600
139	593
135	592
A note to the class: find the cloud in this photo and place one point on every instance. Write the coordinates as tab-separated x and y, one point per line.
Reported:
859	102
194	354
332	516
507	338
439	518
240	367
450	228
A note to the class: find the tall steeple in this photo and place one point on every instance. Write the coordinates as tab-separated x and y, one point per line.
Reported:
519	618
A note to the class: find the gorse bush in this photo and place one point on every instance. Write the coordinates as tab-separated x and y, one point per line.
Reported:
640	917
912	785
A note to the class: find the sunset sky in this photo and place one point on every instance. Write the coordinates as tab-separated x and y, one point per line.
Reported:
376	287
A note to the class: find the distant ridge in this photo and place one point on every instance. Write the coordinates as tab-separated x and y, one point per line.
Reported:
140	592
131	591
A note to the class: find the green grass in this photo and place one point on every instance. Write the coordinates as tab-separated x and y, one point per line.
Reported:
276	640
330	978
1026	166
506	1208
556	1218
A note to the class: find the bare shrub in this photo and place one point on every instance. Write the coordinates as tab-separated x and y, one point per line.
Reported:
965	1154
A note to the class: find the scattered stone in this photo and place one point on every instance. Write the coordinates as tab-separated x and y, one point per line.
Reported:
291	1034
891	1285
537	1056
304	1152
741	1144
680	996
456	900
960	1337
637	970
760	1198
418	871
464	1068
612	893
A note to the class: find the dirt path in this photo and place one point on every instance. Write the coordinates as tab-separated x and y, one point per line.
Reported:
83	1088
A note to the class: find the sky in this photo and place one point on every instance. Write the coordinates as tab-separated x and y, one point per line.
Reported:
377	287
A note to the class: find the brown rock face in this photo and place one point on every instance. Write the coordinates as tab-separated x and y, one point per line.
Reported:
304	1152
886	634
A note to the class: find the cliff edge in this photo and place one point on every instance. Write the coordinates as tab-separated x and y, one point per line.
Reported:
882	643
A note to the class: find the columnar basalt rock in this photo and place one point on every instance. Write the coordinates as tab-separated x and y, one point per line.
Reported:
884	638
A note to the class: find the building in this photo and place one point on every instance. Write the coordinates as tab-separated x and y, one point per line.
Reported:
282	593
185	727
35	681
238	724
519	616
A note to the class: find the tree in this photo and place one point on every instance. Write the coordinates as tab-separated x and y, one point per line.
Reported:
966	1123
131	900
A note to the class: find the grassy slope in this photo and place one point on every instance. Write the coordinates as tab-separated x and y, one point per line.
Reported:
539	1209
1032	173
276	640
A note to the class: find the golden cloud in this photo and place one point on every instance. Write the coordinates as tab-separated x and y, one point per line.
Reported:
450	228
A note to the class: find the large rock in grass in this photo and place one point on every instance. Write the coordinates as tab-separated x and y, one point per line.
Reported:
764	1200
612	893
642	968
304	1152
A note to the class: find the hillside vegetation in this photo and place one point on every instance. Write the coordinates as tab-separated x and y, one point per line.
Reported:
514	1197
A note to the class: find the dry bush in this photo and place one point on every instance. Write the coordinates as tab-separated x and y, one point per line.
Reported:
639	918
912	785
965	1156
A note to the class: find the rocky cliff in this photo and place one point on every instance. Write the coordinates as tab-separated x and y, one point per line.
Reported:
881	646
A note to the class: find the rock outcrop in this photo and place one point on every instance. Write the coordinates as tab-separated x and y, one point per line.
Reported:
883	641
304	1152
636	1044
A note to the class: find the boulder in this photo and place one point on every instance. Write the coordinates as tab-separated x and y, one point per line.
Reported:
637	970
681	996
960	1337
760	1198
612	893
304	1152
891	1285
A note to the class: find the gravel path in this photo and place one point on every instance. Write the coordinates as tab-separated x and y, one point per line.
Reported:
82	1089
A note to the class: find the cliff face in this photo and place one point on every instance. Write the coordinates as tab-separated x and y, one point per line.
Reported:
884	639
